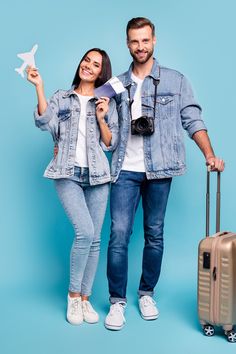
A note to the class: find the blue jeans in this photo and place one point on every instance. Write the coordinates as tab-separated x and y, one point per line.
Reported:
124	199
85	206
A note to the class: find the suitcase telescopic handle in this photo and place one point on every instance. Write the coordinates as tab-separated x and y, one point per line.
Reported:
208	203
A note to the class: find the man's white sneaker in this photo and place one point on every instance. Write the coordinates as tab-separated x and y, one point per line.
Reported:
115	319
89	314
74	310
147	307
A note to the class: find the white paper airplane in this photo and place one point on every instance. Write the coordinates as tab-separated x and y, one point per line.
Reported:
28	59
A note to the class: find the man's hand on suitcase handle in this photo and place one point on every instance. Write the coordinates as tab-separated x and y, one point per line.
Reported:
215	164
202	139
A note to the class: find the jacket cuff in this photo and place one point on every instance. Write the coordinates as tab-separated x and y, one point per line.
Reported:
195	127
43	118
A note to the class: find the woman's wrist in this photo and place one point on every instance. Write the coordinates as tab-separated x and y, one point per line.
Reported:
102	121
39	86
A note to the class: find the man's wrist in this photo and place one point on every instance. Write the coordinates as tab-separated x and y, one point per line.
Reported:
210	156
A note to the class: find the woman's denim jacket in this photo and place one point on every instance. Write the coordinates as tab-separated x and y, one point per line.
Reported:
176	108
61	119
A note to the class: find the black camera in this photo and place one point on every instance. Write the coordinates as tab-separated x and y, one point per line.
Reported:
142	126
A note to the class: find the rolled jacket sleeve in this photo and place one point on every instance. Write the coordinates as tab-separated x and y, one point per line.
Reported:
112	122
49	119
190	110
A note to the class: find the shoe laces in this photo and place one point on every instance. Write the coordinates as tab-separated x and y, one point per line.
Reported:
87	306
147	300
75	305
118	307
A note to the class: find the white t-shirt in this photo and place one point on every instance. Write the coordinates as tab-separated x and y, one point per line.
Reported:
81	158
134	155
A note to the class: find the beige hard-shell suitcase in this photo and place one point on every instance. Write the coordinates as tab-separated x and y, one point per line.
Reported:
217	275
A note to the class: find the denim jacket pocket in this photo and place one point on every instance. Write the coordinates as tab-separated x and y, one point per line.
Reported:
64	114
64	121
165	106
164	99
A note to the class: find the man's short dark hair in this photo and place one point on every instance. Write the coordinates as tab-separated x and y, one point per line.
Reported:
139	22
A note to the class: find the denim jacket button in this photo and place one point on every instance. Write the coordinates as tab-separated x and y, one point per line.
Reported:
91	129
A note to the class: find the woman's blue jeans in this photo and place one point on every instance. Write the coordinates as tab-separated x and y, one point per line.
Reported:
124	199
85	206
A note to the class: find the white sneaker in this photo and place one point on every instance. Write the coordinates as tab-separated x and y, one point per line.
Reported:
147	307
115	319
89	314
74	310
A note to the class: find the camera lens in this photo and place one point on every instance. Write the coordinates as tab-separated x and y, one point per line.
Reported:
142	125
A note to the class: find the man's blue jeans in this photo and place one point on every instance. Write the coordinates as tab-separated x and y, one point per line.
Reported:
124	200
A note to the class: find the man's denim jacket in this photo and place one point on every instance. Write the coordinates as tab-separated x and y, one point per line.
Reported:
61	119
164	151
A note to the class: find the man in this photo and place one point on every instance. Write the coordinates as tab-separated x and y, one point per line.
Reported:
157	103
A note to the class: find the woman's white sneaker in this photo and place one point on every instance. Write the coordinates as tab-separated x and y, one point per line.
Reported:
115	319
89	314
147	307
74	310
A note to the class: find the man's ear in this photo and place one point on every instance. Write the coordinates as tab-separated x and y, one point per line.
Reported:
154	39
127	42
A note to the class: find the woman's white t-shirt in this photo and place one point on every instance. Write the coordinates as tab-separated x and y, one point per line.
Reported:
81	158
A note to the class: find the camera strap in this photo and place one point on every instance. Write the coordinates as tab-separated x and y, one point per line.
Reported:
155	83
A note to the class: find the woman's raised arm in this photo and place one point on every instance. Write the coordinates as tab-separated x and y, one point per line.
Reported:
34	77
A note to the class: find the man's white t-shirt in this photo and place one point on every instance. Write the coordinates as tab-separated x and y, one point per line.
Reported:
134	155
81	158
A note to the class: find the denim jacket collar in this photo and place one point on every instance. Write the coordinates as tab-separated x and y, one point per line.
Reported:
71	91
155	73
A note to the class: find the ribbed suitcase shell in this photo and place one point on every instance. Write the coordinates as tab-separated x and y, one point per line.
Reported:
217	280
217	275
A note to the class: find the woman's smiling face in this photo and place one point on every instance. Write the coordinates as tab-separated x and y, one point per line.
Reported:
91	67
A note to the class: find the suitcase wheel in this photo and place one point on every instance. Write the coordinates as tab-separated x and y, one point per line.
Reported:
231	336
209	330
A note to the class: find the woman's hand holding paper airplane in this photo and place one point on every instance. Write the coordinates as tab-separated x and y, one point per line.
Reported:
33	76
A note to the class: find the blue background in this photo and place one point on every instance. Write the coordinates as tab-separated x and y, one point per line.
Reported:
194	37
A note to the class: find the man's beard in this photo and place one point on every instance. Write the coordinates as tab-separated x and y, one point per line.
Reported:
144	59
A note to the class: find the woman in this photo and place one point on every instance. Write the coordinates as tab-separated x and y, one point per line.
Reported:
80	126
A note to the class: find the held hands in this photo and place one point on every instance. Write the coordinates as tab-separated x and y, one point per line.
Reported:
102	108
33	76
215	164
